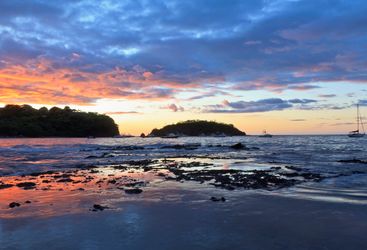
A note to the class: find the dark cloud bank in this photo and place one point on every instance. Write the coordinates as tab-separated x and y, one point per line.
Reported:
274	45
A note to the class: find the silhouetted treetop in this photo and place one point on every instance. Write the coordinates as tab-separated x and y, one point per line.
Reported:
197	128
24	120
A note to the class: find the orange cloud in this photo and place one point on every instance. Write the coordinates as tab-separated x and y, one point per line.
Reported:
42	81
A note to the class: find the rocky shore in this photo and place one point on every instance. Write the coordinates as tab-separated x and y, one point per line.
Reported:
132	177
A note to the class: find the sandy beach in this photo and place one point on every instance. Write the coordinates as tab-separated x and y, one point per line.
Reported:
184	218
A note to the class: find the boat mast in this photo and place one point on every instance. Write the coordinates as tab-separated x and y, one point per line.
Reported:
358	117
360	120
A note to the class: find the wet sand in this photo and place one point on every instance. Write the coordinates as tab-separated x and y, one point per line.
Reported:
184	219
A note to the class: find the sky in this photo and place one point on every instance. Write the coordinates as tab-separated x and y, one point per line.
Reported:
288	66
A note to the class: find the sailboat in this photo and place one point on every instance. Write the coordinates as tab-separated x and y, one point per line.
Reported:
357	133
265	134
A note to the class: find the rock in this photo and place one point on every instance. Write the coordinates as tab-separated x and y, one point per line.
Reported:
142	135
222	199
65	180
28	202
140	162
231	179
3	186
133	191
14	204
97	207
294	174
112	181
41	173
238	146
59	176
26	185
135	183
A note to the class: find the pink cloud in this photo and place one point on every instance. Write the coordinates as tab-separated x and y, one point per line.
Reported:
174	108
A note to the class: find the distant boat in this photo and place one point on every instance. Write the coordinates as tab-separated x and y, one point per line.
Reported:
357	133
265	135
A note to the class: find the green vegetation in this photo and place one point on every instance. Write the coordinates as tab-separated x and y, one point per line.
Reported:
197	128
26	121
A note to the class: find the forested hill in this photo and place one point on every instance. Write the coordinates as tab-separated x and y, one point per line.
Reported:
27	121
197	128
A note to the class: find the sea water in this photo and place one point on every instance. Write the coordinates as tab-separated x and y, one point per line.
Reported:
320	154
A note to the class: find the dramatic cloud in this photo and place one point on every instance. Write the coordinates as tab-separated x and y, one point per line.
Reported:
43	81
81	51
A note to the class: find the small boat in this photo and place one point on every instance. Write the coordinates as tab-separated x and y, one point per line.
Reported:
357	133
265	135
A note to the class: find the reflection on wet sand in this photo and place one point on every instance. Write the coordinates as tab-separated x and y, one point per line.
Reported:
98	188
53	193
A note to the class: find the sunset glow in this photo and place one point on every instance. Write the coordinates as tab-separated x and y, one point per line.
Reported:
292	67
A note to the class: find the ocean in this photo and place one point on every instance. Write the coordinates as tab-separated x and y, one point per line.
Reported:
319	154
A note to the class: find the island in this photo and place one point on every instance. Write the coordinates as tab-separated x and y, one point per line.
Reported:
197	128
26	121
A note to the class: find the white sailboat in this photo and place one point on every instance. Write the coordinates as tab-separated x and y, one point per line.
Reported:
357	133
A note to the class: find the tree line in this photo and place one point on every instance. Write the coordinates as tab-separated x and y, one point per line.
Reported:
24	120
